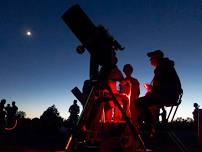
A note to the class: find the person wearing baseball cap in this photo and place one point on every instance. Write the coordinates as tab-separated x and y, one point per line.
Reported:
164	88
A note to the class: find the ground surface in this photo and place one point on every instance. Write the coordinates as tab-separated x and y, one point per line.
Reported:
28	142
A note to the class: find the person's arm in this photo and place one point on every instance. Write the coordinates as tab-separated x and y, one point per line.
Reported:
148	87
138	89
78	110
70	109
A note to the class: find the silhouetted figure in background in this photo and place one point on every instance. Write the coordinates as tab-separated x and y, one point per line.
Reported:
2	114
14	110
164	89
74	112
8	108
195	113
9	114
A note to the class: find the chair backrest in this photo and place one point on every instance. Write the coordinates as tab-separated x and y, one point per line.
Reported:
174	105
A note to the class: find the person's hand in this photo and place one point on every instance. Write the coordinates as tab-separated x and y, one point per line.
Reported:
148	87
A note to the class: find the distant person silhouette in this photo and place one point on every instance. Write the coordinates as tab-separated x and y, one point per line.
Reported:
8	108
9	114
164	88
14	110
130	89
74	112
2	114
195	113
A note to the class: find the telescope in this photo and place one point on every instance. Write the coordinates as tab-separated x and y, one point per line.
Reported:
95	39
102	48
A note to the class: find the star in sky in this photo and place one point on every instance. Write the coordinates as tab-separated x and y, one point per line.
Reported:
28	33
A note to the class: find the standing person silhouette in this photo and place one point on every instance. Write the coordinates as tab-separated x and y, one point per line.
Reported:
195	113
130	90
74	111
9	114
165	87
13	112
14	109
2	115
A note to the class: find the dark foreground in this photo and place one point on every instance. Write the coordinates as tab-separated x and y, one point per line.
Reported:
23	141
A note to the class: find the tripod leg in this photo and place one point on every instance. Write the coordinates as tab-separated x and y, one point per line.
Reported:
70	139
130	125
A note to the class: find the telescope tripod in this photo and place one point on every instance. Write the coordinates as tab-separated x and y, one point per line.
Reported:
71	142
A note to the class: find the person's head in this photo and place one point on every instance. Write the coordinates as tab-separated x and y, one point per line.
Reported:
155	56
8	105
75	101
3	101
13	103
128	69
196	105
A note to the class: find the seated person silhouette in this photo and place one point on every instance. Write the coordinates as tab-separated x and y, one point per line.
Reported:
164	89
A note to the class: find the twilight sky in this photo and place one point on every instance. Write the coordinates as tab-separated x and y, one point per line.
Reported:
40	70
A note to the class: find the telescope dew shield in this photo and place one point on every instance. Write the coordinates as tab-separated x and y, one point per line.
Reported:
80	24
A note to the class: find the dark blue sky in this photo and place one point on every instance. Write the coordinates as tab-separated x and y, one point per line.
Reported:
41	70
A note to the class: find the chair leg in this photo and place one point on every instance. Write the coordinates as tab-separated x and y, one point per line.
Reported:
174	113
169	113
173	136
177	141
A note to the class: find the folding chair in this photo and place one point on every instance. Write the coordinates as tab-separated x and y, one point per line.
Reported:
171	133
176	107
171	104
